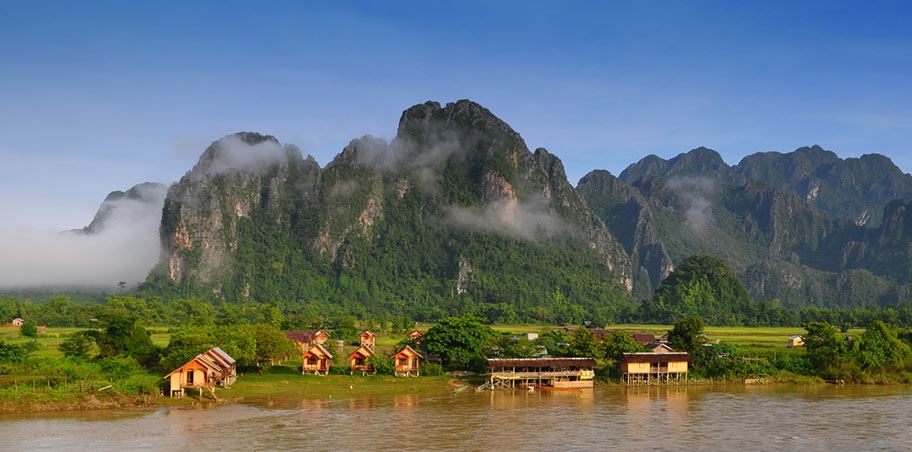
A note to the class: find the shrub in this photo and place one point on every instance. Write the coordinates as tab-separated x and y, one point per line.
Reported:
28	329
430	369
76	345
382	364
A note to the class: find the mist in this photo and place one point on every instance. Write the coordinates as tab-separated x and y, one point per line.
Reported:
530	220
693	191
123	247
232	153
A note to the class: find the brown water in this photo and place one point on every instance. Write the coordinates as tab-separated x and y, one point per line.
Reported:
786	418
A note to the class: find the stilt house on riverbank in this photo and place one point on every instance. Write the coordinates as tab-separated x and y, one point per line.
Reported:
553	372
406	362
358	360
316	360
204	371
654	368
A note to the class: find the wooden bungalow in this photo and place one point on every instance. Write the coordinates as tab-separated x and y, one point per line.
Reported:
406	362
17	322
200	372
795	341
358	360
368	337
654	368
415	336
316	360
558	373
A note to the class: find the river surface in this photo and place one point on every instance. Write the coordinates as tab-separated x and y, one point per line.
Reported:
726	418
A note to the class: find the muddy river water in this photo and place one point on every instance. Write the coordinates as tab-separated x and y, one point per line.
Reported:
723	418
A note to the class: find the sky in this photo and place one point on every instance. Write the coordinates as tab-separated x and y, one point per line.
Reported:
99	96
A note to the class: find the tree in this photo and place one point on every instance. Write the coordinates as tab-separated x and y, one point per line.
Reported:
515	347
120	333
824	347
701	286
585	343
272	344
13	353
29	329
687	336
184	344
459	341
880	348
616	344
76	345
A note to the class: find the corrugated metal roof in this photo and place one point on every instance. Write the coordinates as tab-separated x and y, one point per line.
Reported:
540	362
224	355
656	357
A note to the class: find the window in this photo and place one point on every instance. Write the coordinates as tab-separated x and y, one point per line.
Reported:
311	361
190	377
359	361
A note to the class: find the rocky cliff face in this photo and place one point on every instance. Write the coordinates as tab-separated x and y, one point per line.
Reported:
137	200
456	198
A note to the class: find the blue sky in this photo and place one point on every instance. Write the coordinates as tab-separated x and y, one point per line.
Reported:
101	96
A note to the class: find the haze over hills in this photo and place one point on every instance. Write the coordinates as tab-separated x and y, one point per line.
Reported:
456	214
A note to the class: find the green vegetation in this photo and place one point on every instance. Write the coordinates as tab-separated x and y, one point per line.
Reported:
459	341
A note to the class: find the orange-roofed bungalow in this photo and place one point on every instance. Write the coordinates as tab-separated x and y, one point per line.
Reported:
415	336
316	360
358	359
368	337
406	362
200	372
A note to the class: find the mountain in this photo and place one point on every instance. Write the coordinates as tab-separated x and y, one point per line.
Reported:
777	219
856	188
455	214
137	200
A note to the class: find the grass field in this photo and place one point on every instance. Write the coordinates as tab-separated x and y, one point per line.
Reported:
287	382
55	335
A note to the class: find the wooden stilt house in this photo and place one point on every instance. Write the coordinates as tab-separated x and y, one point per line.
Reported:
316	360
415	336
406	362
368	337
654	368
226	362
358	360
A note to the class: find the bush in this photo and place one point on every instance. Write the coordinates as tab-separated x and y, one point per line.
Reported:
28	329
76	345
430	369
120	367
13	353
382	364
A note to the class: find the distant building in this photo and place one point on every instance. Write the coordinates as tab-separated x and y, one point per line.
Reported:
17	322
316	360
531	336
644	338
406	362
553	373
654	368
368	337
795	341
305	339
658	347
415	336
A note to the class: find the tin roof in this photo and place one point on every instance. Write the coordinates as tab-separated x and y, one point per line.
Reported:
648	357
540	362
644	338
301	336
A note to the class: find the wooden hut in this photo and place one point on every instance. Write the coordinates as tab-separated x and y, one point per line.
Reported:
406	362
368	337
644	338
200	372
795	341
658	347
558	373
654	368
316	360
305	339
17	322
415	336
358	360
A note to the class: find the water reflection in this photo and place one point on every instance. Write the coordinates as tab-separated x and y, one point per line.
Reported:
625	418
